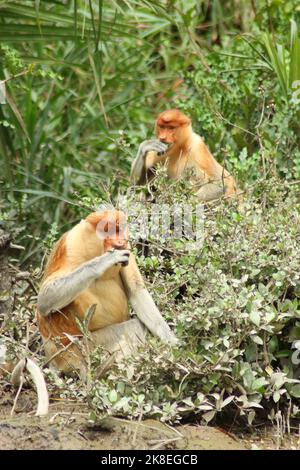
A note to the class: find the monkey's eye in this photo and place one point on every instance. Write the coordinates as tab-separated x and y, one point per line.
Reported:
107	229
168	128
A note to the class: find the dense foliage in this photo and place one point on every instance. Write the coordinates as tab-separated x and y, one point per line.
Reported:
235	306
84	81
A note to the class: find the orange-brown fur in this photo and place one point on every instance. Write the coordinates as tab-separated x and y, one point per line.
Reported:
75	247
59	323
81	273
56	257
188	150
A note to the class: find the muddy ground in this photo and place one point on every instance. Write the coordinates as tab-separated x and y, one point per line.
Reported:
68	427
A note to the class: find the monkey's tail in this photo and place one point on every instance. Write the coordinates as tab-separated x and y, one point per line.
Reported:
38	380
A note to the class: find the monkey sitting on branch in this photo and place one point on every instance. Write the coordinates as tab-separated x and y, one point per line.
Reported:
179	148
91	265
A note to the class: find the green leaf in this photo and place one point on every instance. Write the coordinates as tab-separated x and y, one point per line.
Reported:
257	384
283	353
273	344
251	417
17	113
227	401
256	339
276	56
209	415
295	391
89	315
295	54
255	317
113	396
278	379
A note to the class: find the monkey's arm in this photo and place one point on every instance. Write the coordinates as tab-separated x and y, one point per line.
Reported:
58	292
150	153
143	304
150	316
152	159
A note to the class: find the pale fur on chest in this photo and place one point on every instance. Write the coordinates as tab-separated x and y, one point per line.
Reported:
180	161
110	308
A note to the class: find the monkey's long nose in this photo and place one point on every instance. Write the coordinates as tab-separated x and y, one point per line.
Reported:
120	244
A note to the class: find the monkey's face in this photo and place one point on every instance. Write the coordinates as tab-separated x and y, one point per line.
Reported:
172	126
166	134
113	231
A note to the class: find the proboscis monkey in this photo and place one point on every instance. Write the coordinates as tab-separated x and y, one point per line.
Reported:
92	265
180	148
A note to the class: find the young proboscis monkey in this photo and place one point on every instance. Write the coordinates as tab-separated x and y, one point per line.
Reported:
92	265
179	148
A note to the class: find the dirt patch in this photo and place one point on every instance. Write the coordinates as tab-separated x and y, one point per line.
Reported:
68	427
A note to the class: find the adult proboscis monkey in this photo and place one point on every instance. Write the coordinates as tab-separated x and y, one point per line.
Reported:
92	265
180	148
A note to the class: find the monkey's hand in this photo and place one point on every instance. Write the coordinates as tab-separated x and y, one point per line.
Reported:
61	290
139	167
153	145
119	257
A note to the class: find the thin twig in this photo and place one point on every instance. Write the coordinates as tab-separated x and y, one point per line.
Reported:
56	354
137	428
164	442
17	395
14	76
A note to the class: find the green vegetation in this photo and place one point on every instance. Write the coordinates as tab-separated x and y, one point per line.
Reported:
84	81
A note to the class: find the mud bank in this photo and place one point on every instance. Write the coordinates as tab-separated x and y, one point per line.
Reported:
68	427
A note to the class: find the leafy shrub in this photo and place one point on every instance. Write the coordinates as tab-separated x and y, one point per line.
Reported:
235	307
